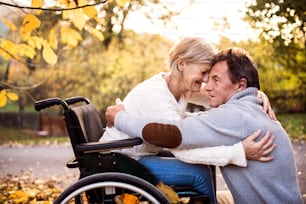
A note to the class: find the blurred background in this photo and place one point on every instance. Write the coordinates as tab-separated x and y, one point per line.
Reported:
102	49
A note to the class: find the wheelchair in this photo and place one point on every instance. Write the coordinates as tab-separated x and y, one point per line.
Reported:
107	176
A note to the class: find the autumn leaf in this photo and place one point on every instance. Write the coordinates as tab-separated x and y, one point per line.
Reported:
5	55
90	11
26	50
66	14
95	33
9	24
12	96
53	42
78	19
10	49
5	94
70	36
3	98
48	54
19	197
122	2
35	42
30	22
37	4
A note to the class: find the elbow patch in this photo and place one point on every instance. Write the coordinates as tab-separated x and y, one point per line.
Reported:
162	135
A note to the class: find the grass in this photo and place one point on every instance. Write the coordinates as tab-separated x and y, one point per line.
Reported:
12	106
294	124
15	136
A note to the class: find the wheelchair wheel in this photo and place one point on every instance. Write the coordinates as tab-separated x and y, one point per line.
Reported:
109	187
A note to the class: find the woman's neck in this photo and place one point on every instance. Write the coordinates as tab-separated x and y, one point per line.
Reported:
174	84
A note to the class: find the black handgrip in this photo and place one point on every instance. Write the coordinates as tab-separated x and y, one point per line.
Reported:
42	104
77	99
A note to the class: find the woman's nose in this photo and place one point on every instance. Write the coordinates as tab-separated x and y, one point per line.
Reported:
205	77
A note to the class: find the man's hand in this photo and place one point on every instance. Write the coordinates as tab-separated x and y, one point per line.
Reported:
260	150
111	113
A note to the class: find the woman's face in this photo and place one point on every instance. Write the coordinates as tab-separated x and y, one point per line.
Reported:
194	75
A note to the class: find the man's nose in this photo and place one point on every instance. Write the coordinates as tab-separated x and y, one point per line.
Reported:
207	86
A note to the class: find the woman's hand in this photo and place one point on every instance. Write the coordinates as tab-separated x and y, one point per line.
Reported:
266	104
260	150
111	113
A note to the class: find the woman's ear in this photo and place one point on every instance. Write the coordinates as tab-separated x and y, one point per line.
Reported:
243	84
180	64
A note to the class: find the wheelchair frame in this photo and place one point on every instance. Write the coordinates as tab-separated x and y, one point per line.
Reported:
105	175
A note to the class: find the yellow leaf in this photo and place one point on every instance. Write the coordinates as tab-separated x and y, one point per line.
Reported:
12	96
82	2
9	24
35	42
4	55
26	50
96	33
37	4
9	47
53	42
78	19
19	197
90	11
3	98
70	36
65	2
49	56
30	22
122	2
66	14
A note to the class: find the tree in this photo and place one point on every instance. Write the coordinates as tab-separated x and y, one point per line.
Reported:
283	24
39	40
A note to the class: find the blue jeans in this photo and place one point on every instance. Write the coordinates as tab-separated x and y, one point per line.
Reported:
175	172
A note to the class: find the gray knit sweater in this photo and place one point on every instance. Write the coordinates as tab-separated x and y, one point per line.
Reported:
271	182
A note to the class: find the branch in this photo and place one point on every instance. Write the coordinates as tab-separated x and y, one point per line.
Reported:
51	9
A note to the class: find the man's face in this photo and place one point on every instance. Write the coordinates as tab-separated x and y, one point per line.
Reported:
219	86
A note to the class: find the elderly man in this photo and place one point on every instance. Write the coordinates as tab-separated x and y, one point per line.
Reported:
232	86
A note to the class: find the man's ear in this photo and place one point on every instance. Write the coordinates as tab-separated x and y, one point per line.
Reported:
242	84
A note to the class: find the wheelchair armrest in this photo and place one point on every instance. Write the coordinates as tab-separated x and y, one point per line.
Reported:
72	163
99	146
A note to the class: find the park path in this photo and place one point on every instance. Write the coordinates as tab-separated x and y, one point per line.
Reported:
49	161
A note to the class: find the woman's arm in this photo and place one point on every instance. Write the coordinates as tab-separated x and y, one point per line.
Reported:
259	150
236	154
266	104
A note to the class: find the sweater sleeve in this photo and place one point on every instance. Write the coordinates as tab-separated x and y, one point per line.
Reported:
205	130
218	156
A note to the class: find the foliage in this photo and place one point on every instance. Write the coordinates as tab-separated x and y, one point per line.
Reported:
25	189
5	95
284	19
104	75
294	124
38	41
283	24
281	85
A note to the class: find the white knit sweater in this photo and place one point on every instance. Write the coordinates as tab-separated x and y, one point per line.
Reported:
152	98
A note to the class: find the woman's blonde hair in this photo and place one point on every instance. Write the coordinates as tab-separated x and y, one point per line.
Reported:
193	50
